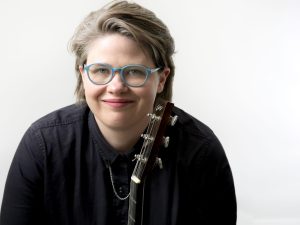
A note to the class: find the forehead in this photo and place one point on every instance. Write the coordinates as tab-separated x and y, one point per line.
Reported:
117	50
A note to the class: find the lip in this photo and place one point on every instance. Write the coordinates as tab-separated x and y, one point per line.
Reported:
117	103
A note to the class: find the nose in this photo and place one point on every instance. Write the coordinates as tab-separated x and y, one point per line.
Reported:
116	85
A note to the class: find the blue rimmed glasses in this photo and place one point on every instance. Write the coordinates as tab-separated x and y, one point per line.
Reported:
132	75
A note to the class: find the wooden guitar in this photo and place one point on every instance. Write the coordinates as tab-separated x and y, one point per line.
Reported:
149	157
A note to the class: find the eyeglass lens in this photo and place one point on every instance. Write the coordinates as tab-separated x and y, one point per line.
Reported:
134	75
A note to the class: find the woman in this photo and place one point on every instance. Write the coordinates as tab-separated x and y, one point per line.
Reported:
74	166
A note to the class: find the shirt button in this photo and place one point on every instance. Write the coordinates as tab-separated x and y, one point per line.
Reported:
121	190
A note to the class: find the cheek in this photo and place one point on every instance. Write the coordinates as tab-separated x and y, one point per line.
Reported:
149	92
92	91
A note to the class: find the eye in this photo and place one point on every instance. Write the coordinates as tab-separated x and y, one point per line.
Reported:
100	70
135	72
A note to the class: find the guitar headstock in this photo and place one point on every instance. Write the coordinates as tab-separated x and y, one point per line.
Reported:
153	139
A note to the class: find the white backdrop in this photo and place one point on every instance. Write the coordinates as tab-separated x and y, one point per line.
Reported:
238	71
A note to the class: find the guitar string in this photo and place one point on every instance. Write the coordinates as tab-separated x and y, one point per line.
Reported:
149	143
146	147
143	150
143	195
132	209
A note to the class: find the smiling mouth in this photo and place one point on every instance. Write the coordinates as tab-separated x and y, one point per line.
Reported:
117	103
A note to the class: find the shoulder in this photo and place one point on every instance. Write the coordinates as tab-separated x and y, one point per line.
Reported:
195	140
63	125
192	126
56	131
67	115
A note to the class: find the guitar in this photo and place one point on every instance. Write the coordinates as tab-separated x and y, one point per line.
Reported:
149	157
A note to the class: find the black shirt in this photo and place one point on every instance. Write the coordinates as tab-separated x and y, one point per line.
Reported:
60	174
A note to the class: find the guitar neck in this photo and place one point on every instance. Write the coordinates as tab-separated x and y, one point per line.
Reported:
148	158
133	215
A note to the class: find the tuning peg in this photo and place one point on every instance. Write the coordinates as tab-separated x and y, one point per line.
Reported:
153	116
159	163
173	120
166	141
147	137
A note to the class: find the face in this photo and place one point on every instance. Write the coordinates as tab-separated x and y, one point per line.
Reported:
115	105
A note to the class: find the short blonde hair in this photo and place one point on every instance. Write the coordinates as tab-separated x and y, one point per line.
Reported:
133	21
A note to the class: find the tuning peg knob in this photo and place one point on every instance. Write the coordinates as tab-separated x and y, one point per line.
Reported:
166	141
173	120
159	163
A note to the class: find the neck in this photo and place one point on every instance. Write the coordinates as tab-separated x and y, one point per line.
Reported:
123	139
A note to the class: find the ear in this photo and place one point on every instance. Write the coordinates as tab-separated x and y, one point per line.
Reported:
82	73
162	79
81	70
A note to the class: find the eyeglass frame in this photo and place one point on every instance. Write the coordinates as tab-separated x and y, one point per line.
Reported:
149	71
